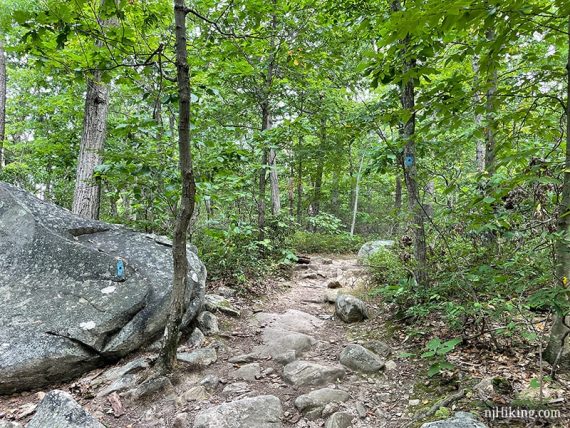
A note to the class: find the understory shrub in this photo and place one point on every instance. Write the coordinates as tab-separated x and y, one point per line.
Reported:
337	243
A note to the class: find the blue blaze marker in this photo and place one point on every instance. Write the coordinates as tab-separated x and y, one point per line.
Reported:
408	161
120	269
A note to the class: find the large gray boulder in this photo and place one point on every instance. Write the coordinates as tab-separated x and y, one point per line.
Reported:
372	247
303	373
58	409
460	420
350	309
76	293
359	358
257	412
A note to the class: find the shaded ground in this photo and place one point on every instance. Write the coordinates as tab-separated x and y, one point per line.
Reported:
387	399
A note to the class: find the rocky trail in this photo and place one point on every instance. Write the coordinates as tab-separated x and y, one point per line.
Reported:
299	357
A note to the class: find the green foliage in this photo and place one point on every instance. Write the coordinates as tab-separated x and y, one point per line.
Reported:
386	268
338	243
326	223
436	351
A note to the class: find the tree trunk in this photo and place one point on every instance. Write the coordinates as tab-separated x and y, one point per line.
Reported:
398	195
429	196
317	190
356	192
408	130
291	188
558	351
167	357
265	125
2	104
490	120
300	185
480	148
274	181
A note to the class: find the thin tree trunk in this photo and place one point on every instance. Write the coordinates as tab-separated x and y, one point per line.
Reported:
408	130
274	181
2	104
558	350
167	357
490	120
317	190
480	148
300	185
356	192
429	196
397	204
265	125
291	188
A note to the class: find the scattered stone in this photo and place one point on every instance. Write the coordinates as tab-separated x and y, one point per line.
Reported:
380	348
286	357
335	283
236	388
390	365
122	384
358	358
10	424
196	339
215	302
76	292
315	401
339	420
484	389
199	358
373	247
327	261
460	420
208	323
311	275
248	372
414	402
280	341
244	358
301	373
256	412
180	420
350	309
59	409
292	320
226	291
196	393
210	382
150	387
267	371
361	410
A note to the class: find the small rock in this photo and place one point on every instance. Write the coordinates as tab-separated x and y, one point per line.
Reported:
390	365
334	284
256	412
327	261
302	373
226	291
286	357
196	393
361	410
350	309
236	388
318	399
358	358
10	424
210	382
339	420
460	420
149	387
414	402
199	358
196	339
208	323
378	347
59	409
248	372
244	358
215	302
180	420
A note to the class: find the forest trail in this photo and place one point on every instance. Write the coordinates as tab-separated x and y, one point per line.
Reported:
250	360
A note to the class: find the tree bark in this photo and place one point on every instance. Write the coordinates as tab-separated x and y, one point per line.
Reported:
167	357
317	190
356	192
480	148
274	181
490	120
2	104
408	130
265	125
300	184
558	350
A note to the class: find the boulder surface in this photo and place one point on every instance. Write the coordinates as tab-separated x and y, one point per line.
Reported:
58	409
77	293
257	412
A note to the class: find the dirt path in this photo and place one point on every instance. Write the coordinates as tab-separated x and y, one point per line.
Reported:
374	400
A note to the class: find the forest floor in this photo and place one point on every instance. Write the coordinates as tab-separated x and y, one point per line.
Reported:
390	398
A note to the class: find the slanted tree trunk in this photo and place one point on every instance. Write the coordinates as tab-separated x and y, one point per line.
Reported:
558	351
408	130
167	357
2	104
490	119
356	192
480	148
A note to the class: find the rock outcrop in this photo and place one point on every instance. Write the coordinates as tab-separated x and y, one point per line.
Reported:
257	412
76	293
372	247
59	409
